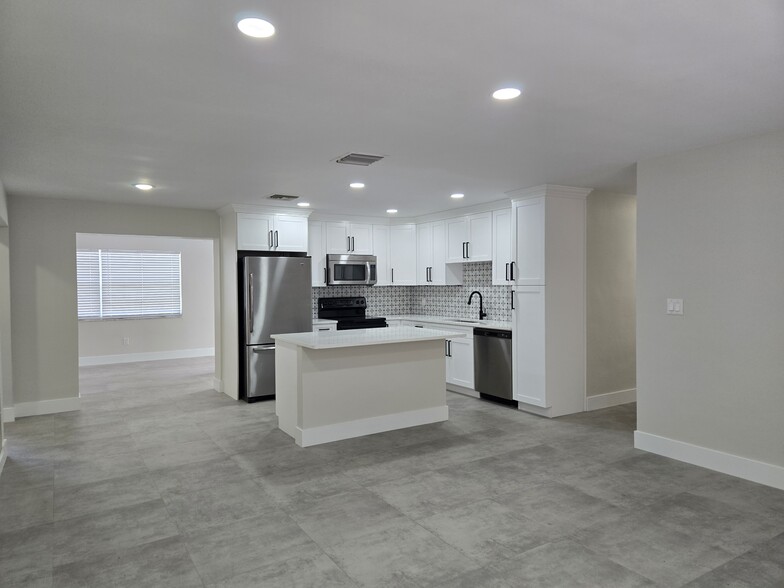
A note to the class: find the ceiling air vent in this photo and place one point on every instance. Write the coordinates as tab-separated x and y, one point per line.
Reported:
359	159
283	197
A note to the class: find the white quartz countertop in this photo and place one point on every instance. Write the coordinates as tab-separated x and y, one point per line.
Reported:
504	325
362	337
318	321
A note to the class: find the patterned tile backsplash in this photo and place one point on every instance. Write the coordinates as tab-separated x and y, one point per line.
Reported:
451	301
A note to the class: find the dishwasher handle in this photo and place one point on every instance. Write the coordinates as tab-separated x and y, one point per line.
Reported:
499	333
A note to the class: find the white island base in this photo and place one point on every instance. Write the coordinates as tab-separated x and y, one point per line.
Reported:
344	384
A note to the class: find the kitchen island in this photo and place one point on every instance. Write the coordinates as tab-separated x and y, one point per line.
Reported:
334	385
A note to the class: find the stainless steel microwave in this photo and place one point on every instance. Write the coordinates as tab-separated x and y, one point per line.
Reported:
345	270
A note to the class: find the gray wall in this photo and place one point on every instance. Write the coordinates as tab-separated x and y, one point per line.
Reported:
711	231
610	292
194	330
44	329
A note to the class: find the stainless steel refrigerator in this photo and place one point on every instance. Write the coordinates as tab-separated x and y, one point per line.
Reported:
276	292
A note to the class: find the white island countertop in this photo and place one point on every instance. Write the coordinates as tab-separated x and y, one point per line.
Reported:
363	337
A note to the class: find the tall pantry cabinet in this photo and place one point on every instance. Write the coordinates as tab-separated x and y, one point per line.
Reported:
549	299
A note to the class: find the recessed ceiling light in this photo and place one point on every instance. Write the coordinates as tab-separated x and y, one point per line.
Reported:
506	93
143	187
457	195
356	185
303	204
391	210
256	27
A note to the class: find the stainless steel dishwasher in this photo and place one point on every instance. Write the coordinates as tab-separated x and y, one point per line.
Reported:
493	362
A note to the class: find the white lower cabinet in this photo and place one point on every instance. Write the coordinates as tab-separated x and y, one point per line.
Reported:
459	353
460	362
528	362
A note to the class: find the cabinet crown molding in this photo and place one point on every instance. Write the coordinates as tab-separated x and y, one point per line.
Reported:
254	208
549	190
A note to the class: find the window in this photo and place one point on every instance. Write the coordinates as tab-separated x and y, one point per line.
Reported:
114	284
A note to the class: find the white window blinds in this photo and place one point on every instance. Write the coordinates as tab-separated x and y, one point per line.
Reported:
128	284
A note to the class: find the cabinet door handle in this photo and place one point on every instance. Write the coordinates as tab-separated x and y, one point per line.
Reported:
348	246
325	275
513	293
449	347
393	275
468	250
276	238
269	239
323	329
446	348
507	272
511	270
352	244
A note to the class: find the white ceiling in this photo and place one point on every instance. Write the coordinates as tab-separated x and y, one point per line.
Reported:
97	94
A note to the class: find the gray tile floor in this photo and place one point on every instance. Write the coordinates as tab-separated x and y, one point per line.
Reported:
159	481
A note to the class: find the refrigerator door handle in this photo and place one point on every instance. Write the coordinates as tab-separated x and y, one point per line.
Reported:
250	302
263	348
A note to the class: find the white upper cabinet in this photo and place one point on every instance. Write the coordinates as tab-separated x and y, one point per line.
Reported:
290	233
346	238
503	270
469	238
529	268
403	255
381	251
271	232
431	256
456	239
317	243
424	257
254	232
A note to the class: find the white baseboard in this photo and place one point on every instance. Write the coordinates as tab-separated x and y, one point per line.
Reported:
2	455
147	356
379	424
217	385
611	399
726	463
25	409
8	414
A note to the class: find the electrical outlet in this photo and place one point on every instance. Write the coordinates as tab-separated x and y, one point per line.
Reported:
675	306
126	340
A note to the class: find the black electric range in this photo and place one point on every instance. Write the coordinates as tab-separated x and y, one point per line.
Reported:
349	312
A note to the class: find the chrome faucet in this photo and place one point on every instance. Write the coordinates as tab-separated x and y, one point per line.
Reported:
482	313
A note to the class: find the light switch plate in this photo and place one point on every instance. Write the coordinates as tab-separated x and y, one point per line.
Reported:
675	306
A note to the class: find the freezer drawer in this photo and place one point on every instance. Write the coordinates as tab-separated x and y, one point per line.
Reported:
493	362
260	371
